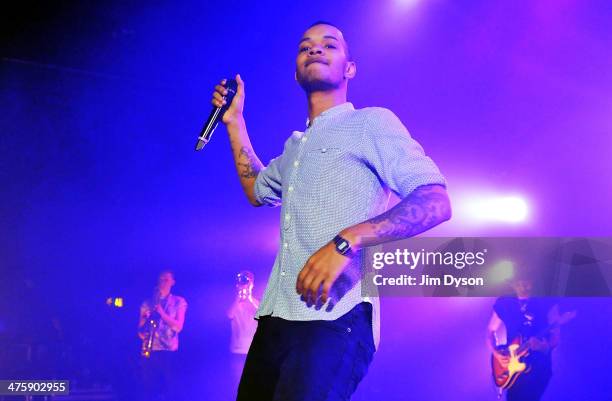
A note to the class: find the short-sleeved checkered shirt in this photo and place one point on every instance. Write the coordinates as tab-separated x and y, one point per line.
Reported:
166	338
337	173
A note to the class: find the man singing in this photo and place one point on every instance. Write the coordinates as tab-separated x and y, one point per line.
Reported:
314	339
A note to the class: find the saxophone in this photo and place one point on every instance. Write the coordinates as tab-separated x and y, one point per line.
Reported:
152	325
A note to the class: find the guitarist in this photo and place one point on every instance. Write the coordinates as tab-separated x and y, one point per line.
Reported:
526	317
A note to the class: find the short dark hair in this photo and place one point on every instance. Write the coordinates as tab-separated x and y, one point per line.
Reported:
346	46
321	22
169	271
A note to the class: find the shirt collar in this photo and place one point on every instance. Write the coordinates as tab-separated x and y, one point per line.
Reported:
346	106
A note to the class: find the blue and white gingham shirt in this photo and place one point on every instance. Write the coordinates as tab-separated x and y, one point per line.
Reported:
337	173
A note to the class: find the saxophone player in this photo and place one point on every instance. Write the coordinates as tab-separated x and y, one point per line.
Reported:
161	320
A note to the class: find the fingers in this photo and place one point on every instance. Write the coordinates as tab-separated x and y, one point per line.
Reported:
317	277
309	282
304	278
221	90
240	82
313	293
218	99
299	285
325	293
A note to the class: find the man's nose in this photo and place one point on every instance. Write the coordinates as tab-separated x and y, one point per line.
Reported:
315	50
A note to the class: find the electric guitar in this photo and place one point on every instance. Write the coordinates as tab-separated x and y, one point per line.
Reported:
505	373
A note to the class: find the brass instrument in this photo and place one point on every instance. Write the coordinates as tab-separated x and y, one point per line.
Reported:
151	328
244	284
147	343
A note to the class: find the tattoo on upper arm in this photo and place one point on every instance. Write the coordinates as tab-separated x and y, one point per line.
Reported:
247	163
423	209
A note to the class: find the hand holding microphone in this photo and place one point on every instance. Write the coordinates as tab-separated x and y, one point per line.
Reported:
230	111
235	106
228	103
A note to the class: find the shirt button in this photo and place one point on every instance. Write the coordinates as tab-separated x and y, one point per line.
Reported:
285	245
296	163
324	150
290	188
304	139
283	273
348	329
287	216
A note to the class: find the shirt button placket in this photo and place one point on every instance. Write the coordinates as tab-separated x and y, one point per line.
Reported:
284	252
287	217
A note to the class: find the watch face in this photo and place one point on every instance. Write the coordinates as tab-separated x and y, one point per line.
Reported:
342	246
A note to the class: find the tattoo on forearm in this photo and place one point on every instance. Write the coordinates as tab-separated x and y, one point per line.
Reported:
426	207
247	163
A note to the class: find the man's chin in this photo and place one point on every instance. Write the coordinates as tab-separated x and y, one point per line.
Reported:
317	85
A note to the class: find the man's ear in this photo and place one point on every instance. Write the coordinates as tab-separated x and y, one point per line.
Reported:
295	75
350	70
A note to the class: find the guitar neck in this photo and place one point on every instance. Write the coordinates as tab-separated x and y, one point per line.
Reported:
545	331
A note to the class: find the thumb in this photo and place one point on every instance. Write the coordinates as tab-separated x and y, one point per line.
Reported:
240	82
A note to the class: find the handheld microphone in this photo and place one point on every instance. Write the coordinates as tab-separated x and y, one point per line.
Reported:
217	114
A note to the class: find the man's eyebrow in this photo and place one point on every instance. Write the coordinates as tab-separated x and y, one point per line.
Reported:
324	37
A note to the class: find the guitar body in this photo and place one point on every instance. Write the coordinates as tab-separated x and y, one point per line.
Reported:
505	373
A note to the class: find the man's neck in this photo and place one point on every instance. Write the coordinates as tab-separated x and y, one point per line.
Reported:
318	102
164	294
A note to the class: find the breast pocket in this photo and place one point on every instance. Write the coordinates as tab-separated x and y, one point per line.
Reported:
322	166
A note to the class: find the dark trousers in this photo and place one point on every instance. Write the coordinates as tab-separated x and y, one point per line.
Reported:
308	360
530	386
158	376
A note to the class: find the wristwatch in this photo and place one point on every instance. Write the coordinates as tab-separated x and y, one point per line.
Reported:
343	247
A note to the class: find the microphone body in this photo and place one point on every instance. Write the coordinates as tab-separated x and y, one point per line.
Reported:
216	114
